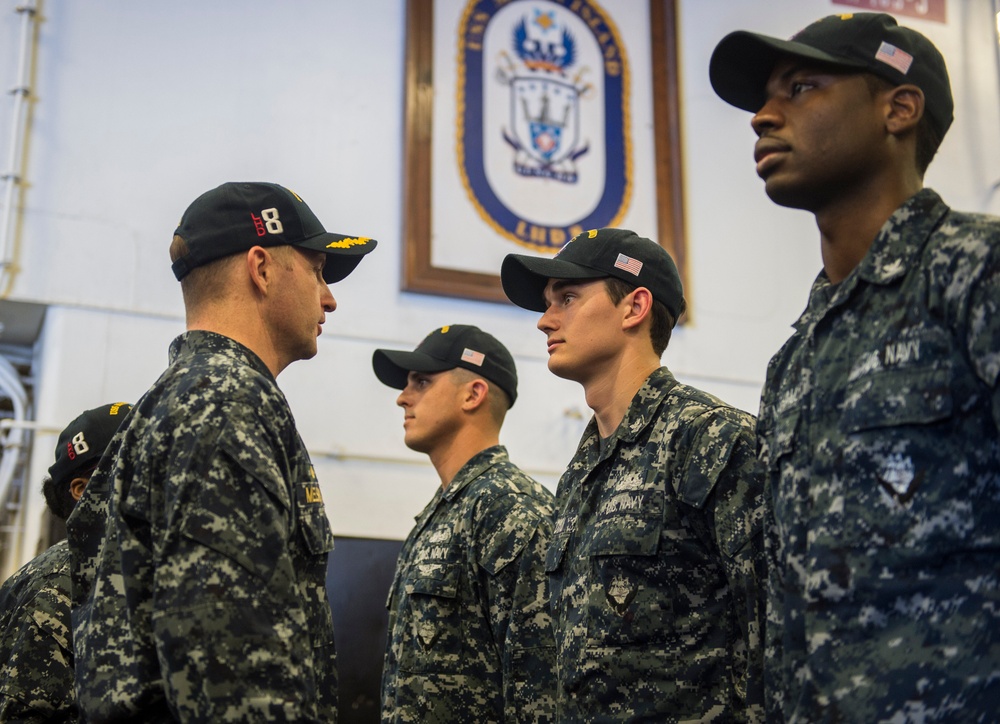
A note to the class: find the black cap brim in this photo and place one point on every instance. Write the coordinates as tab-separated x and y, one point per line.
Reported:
392	367
343	253
742	63
524	278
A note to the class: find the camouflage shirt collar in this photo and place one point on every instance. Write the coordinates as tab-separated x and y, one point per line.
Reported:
202	342
476	466
645	404
902	238
895	249
640	414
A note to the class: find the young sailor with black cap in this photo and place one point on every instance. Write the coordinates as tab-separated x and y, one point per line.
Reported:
656	563
879	423
470	634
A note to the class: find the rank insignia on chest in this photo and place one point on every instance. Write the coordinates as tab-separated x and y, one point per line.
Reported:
620	594
427	634
898	479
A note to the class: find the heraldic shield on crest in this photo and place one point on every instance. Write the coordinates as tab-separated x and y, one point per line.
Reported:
543	122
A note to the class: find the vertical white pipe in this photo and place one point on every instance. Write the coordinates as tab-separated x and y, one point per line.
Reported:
15	154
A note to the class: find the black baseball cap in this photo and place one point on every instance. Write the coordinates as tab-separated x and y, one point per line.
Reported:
238	216
84	440
873	42
596	254
448	347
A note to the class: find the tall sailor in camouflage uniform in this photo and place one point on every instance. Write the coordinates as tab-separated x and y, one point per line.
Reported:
207	600
36	645
470	635
656	563
879	419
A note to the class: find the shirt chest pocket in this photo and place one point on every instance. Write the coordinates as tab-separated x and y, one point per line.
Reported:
894	398
627	602
433	635
905	381
890	420
634	538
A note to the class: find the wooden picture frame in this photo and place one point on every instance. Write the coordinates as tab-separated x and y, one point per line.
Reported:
419	272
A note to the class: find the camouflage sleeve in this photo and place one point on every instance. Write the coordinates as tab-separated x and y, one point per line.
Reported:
232	636
983	330
515	537
37	682
725	451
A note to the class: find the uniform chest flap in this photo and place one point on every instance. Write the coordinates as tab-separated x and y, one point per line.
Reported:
629	516
905	380
434	579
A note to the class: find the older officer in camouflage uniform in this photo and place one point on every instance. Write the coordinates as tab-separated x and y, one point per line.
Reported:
207	600
879	418
470	635
36	646
655	566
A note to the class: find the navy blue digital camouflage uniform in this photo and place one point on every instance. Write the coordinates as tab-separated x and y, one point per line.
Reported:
470	635
879	431
200	552
656	565
36	648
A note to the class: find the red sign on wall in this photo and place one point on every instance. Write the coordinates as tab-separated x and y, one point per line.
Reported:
923	9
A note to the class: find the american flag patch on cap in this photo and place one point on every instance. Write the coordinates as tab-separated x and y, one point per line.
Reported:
473	357
891	55
632	266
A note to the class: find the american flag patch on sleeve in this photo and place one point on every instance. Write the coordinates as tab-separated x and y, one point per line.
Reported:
632	266
473	357
891	55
